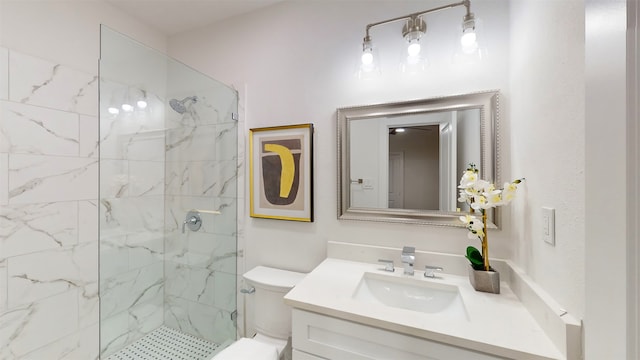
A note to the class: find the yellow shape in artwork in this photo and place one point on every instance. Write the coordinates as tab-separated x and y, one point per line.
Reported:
288	167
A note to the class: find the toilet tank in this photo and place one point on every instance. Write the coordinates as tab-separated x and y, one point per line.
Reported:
272	316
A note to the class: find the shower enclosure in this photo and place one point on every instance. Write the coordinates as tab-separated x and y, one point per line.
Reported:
168	148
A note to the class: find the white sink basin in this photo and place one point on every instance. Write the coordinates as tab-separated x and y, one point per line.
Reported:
411	294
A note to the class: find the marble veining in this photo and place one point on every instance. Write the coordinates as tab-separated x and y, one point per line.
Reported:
202	178
3	285
39	82
48	272
206	322
79	345
36	87
34	178
88	221
30	228
89	136
4	179
4	73
186	144
28	129
131	288
38	275
47	320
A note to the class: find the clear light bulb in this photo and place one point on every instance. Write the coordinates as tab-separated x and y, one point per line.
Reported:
127	107
414	48
367	57
468	40
113	110
141	104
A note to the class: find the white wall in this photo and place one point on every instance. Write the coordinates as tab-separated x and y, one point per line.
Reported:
294	63
547	142
606	181
67	32
48	175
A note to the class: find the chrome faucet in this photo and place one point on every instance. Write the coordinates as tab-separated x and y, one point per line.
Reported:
430	271
388	265
408	259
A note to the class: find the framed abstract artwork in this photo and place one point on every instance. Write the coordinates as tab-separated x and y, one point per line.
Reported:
281	172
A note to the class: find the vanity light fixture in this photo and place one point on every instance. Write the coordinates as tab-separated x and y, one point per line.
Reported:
113	110
127	100
126	104
141	99
468	40
412	31
369	63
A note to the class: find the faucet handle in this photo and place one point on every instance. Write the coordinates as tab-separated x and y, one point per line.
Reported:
388	265
430	271
408	254
408	250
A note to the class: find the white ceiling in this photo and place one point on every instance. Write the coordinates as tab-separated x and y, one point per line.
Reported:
176	16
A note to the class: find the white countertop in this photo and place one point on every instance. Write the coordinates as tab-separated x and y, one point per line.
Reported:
497	323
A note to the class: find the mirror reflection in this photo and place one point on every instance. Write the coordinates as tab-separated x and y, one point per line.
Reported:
412	161
402	162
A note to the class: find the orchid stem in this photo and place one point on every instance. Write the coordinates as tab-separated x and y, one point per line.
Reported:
485	242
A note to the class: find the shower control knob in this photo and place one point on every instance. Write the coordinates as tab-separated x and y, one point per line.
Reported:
193	221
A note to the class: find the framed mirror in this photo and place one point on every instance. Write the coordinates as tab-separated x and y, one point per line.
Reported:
401	162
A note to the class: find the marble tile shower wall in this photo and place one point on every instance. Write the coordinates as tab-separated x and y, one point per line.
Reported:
201	173
131	218
48	210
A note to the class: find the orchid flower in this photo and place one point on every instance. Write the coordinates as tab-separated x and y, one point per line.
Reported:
481	195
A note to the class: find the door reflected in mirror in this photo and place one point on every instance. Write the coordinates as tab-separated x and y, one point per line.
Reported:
401	162
413	161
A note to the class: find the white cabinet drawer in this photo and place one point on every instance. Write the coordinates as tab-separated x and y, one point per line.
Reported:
299	355
338	339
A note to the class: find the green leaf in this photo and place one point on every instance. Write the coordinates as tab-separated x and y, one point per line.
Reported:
475	257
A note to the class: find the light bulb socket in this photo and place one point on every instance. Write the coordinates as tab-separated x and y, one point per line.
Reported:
366	43
414	28
468	22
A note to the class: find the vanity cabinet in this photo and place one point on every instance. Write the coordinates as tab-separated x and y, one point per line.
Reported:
301	355
317	337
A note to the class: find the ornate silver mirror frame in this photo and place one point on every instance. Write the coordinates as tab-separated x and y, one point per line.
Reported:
488	104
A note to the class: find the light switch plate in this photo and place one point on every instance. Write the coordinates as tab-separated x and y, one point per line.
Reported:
549	225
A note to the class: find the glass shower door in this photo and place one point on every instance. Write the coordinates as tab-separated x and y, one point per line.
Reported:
168	146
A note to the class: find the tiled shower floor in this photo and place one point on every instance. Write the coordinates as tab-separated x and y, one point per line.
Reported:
165	343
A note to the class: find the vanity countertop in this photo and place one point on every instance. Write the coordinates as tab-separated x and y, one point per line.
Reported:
497	323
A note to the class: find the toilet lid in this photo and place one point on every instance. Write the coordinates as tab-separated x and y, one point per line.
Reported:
275	279
248	349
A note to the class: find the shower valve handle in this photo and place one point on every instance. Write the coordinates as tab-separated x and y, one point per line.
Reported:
193	221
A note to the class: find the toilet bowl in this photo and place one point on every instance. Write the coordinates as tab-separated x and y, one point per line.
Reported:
272	316
257	348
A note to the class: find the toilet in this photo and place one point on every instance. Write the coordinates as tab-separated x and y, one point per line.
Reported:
271	315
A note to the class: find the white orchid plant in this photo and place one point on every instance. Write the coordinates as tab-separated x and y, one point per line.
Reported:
481	195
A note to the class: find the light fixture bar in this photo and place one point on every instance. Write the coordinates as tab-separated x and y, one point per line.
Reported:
466	3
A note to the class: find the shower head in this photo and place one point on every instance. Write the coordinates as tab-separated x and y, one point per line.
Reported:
179	105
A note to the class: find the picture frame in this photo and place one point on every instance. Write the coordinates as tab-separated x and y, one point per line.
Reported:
281	172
